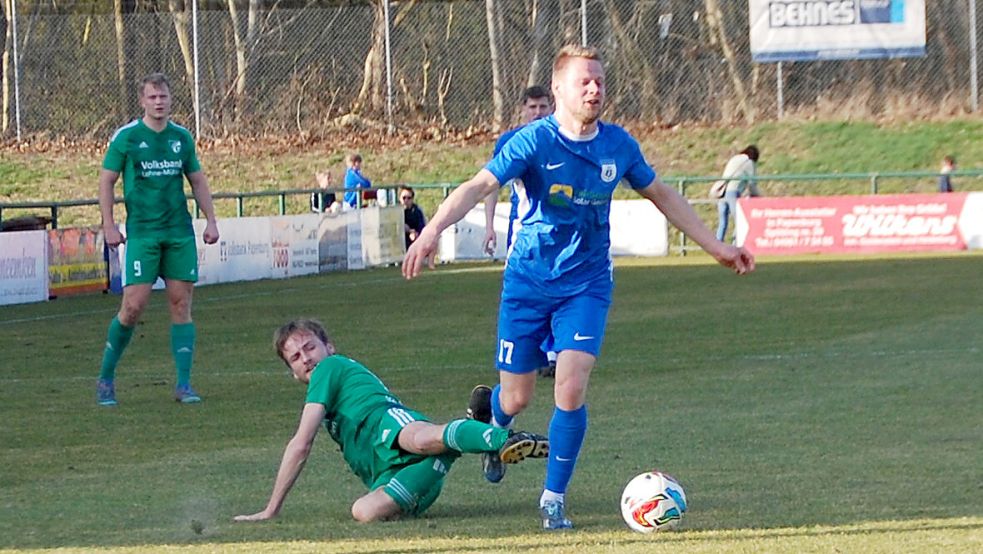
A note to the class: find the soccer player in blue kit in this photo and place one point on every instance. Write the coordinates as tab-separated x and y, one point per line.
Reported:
558	277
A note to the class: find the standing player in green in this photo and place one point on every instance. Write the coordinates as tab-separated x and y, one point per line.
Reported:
397	452
154	155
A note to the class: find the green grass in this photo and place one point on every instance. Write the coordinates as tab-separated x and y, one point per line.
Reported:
817	405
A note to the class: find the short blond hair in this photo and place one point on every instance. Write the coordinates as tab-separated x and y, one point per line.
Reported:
571	51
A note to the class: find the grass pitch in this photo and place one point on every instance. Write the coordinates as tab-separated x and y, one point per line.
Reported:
818	405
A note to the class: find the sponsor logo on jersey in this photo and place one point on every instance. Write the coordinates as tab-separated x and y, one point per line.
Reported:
561	195
161	168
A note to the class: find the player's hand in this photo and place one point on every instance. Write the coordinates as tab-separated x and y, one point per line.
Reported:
259	516
738	259
112	236
491	241
210	236
421	251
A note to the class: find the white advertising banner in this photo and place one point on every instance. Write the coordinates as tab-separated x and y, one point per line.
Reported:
637	229
242	253
382	235
332	241
353	226
806	30
23	267
294	245
971	221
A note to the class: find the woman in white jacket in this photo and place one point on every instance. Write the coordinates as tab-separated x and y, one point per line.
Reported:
739	175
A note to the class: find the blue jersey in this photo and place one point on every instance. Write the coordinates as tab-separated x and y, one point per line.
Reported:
513	197
565	193
354	180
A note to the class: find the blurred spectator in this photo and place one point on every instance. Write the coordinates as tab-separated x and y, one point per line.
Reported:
739	176
354	180
322	200
945	181
412	215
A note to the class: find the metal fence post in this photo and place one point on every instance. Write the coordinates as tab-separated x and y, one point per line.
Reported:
873	184
239	209
682	235
283	203
54	216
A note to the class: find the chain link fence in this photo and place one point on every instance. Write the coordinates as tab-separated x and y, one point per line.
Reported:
287	67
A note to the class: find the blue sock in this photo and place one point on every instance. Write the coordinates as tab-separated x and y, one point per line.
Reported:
499	417
567	430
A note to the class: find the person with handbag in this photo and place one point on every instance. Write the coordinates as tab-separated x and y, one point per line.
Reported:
738	176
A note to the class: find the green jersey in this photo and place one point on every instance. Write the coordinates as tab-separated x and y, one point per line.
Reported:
352	396
153	166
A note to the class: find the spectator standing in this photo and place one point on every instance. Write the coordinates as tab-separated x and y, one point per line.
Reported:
354	180
945	179
739	174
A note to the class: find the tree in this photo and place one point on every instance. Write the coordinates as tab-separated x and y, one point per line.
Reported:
498	105
243	45
370	96
181	13
718	31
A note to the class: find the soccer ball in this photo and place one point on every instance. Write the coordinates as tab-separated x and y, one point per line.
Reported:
653	501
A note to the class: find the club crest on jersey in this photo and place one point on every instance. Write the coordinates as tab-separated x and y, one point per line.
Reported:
175	146
560	194
609	170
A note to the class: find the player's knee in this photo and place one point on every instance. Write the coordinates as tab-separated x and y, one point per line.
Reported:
130	310
515	402
180	308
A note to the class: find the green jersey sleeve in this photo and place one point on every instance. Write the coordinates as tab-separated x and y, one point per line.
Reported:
115	158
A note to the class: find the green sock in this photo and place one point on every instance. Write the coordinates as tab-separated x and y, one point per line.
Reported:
468	435
183	349
117	338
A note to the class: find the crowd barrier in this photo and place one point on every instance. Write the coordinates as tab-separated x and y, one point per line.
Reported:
637	229
38	265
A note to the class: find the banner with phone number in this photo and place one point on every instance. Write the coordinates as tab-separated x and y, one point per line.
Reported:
860	224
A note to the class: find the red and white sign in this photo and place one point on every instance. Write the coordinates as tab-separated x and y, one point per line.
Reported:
861	224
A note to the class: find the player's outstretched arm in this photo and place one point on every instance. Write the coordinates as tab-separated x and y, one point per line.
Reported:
294	458
681	214
203	194
451	210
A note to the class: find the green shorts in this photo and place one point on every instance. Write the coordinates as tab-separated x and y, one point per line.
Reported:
413	481
169	257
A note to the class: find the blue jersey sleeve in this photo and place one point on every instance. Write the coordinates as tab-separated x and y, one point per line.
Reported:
504	139
639	174
514	158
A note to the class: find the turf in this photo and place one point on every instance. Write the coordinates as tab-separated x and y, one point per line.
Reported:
821	404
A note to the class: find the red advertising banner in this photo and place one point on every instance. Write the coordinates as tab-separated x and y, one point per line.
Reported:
861	224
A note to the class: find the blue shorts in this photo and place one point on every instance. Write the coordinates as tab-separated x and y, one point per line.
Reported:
526	319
